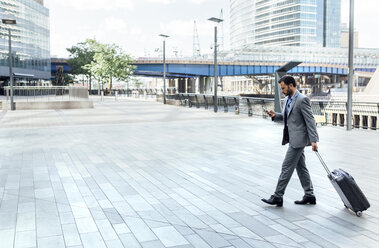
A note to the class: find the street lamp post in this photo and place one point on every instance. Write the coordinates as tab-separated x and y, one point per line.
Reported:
164	66
351	68
10	22
216	20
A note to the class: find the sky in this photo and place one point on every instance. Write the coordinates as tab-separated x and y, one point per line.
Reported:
135	25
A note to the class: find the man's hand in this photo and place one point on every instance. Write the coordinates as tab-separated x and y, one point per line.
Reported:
271	113
314	146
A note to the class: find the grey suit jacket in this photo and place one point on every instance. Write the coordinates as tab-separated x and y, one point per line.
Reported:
302	129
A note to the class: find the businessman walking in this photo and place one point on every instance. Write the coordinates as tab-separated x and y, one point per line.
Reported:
299	131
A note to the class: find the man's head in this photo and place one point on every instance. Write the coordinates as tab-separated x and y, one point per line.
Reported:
287	85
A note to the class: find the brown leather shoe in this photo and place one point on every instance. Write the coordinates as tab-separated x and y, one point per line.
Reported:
274	200
307	199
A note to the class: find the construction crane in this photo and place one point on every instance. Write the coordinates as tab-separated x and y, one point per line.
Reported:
196	43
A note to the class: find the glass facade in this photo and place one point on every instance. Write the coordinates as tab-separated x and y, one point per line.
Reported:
30	38
313	23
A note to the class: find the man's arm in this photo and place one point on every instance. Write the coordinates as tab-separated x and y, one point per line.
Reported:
275	116
310	122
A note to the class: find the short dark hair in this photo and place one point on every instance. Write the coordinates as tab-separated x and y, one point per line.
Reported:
287	80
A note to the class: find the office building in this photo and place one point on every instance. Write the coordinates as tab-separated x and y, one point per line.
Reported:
30	41
312	23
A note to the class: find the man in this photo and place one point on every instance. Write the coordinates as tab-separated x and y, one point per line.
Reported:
299	131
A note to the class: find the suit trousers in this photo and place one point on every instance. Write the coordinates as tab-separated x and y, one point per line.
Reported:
295	158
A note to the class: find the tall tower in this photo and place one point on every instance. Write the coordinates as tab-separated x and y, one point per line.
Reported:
196	43
314	23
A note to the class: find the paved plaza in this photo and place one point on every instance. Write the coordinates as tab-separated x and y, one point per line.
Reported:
137	173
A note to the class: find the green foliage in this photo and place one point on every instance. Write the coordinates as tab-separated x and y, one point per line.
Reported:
81	55
103	61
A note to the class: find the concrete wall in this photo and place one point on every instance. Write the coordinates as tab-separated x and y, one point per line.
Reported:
49	105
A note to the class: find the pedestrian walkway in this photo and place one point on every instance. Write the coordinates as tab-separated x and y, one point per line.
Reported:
134	173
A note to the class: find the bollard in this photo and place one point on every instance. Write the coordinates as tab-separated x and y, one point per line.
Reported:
237	111
102	95
116	95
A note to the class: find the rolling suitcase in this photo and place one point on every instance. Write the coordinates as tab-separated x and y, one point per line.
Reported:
345	185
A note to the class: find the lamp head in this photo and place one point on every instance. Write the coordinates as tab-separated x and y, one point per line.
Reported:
8	21
214	19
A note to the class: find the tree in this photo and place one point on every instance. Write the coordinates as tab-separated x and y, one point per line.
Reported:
80	55
110	62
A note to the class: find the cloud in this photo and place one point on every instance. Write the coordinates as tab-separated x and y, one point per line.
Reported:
114	24
95	4
162	1
196	1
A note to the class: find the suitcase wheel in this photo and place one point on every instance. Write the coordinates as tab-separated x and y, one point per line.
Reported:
359	213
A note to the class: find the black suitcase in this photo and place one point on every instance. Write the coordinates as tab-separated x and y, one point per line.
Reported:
347	188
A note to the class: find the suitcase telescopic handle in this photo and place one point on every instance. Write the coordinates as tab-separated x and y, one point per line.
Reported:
322	162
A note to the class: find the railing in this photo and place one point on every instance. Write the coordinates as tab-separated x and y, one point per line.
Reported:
365	114
46	93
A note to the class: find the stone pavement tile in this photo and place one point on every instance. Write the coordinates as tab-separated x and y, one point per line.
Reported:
25	239
169	215
66	218
259	243
214	239
26	221
114	243
184	230
207	219
282	240
310	245
224	219
363	240
7	237
221	229
86	225
315	239
52	241
372	235
128	240
106	230
239	243
325	233
169	236
197	241
121	228
97	213
48	226
80	210
190	219
140	230
124	209
152	216
154	224
289	233
153	244
92	240
243	232
343	230
26	207
287	224
254	225
71	235
113	215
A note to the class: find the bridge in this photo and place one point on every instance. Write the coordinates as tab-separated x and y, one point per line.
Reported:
198	68
261	60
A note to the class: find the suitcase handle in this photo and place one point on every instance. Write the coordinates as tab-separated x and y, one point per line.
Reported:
323	163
